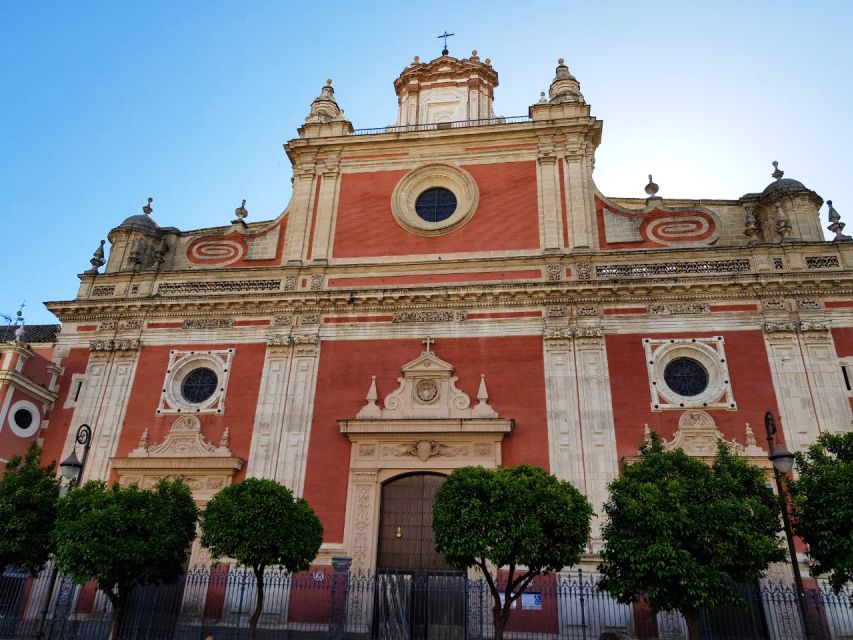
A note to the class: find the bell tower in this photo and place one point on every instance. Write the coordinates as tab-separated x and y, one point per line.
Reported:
445	90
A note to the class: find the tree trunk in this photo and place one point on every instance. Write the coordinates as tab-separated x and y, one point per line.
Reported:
118	616
694	629
259	603
501	616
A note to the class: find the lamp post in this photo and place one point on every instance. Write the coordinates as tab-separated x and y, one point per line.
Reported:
72	470
783	462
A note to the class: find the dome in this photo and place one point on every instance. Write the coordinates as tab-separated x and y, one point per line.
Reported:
784	183
142	220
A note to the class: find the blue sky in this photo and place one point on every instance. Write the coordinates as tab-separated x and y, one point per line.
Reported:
105	103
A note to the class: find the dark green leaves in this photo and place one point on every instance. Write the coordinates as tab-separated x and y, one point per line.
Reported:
124	536
28	495
510	516
683	532
823	506
260	524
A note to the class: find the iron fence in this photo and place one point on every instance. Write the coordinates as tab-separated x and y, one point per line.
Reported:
338	605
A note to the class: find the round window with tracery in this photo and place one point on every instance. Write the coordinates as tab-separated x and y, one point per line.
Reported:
199	385
436	204
686	377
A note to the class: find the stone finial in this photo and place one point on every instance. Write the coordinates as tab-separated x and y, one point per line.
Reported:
325	108
225	440
647	433
542	97
161	251
565	87
474	56
143	440
835	224
371	409
19	333
417	60
652	188
777	172
97	260
241	211
147	209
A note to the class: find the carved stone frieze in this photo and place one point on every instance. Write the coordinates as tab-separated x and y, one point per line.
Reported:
282	321
697	435
208	323
808	305
688	308
108	325
309	318
815	325
584	270
557	311
780	327
103	290
290	283
775	305
564	333
130	324
429	316
316	282
589	332
216	286
822	262
114	345
645	270
587	311
554	272
288	339
424	450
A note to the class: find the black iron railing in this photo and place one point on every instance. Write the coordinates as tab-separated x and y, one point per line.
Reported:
394	606
438	126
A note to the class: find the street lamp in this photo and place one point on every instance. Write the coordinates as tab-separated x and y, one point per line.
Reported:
72	470
783	462
72	467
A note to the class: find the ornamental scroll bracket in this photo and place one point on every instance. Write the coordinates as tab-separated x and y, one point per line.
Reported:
427	389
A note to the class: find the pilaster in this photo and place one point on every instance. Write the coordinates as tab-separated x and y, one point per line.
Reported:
285	403
299	211
831	398
549	194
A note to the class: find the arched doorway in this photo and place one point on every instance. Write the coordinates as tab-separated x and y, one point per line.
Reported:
406	542
418	596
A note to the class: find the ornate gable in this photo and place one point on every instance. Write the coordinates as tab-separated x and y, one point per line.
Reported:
427	390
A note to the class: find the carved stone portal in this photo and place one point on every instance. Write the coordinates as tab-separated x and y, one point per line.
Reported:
425	424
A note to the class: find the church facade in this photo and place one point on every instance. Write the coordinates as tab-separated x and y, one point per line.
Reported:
447	291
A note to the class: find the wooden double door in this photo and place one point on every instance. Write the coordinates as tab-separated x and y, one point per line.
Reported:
418	596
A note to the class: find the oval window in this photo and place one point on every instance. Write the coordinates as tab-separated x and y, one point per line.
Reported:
686	377
199	385
23	419
436	204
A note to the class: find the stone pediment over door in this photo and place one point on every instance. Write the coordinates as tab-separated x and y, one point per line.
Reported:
426	424
185	454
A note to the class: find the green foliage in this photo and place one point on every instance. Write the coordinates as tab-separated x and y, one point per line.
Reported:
823	506
28	496
260	524
510	517
683	532
124	536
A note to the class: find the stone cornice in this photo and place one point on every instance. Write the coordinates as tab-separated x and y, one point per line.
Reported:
20	381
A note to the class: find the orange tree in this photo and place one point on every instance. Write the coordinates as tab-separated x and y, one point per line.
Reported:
684	532
521	519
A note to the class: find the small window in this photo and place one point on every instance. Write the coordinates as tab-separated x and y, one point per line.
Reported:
436	204
23	419
686	377
199	385
846	374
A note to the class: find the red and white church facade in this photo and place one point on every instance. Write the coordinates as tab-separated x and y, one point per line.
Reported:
447	291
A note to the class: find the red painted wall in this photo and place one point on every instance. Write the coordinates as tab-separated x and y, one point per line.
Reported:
751	383
240	401
514	376
507	216
60	418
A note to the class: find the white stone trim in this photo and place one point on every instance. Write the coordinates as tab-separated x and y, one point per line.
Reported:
709	352
456	180
34	425
75	390
181	364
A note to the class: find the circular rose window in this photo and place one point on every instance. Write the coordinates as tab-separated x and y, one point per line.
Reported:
436	204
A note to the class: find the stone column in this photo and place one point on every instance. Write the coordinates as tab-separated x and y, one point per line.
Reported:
326	206
285	408
299	212
601	464
549	195
581	213
791	384
103	402
831	398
